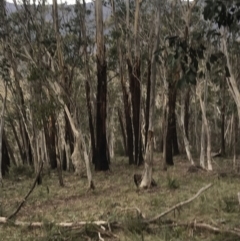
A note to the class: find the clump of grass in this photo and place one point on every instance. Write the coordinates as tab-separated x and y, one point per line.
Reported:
134	224
172	183
20	171
229	204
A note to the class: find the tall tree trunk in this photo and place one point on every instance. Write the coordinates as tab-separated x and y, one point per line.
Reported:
9	150
1	132
90	121
59	163
147	100
206	126
50	133
87	82
223	87
170	125
5	156
147	175
129	126
123	131
102	155
125	92
135	89
203	144
235	140
134	65
181	121
186	111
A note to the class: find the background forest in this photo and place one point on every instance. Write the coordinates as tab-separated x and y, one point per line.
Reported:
137	89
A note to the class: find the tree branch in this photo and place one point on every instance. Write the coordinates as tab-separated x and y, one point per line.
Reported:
25	198
205	226
154	219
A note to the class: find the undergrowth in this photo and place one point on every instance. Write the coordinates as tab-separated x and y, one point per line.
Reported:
116	199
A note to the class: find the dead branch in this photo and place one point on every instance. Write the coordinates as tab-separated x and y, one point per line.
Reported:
29	192
154	219
205	226
4	220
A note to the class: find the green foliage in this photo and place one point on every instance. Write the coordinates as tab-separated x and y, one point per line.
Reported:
20	171
134	224
230	204
172	183
224	13
4	69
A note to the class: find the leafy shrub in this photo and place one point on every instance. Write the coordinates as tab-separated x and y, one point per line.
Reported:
172	183
20	171
230	204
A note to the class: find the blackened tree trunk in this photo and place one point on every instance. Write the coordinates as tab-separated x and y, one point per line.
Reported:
102	161
174	137
171	124
50	133
5	157
102	155
125	92
135	89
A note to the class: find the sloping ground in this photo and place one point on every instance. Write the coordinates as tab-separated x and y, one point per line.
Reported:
116	199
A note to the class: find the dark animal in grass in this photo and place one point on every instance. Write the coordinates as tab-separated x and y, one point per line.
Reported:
195	168
138	178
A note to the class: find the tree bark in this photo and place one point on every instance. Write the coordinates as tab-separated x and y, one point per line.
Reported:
223	88
1	135
123	131
186	111
126	95
102	155
147	175
170	125
147	101
87	83
206	127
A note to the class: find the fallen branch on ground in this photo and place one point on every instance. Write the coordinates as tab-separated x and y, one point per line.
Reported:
102	226
29	192
62	224
205	226
152	220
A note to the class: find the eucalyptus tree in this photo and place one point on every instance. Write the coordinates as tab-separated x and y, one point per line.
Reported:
147	175
47	67
224	15
102	153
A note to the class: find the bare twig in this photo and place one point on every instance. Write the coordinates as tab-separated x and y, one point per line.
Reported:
154	219
29	192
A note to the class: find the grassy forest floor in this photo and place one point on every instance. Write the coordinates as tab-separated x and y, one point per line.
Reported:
115	198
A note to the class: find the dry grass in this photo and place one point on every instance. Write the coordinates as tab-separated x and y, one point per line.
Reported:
115	191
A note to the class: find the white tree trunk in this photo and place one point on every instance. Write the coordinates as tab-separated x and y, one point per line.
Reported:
182	125
207	130
80	141
147	175
202	153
